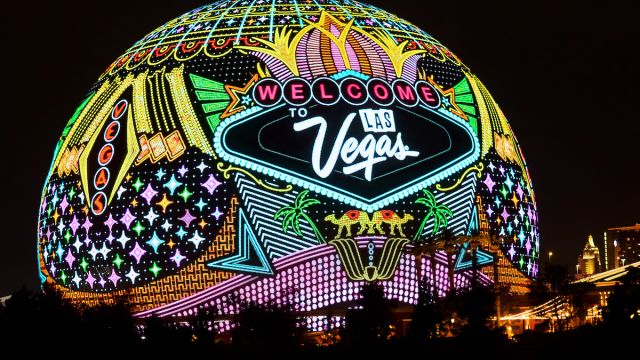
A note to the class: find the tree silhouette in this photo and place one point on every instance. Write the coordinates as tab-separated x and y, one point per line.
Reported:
624	302
553	283
30	319
291	215
203	325
427	314
440	214
262	326
370	324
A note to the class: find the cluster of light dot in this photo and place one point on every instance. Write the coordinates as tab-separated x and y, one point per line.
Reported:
315	283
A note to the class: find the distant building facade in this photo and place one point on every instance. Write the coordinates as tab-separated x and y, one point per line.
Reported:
589	261
624	245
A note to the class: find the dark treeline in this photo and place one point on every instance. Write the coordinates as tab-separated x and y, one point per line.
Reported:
456	325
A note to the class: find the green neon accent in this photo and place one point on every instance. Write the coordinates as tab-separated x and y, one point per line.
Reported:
63	277
72	193
185	194
213	120
212	107
291	215
118	261
504	192
75	115
465	100
84	264
211	95
155	269
468	109
462	87
440	214
138	228
206	84
67	235
214	98
138	184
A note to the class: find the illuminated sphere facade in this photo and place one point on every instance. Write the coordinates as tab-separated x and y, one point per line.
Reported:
284	149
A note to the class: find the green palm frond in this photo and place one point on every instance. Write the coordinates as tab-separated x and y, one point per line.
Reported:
300	198
283	211
296	227
440	213
423	201
429	196
429	200
308	202
291	215
288	220
444	210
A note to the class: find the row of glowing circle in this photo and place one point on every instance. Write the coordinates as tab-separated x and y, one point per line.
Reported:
326	91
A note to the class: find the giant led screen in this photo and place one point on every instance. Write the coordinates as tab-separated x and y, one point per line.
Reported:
267	149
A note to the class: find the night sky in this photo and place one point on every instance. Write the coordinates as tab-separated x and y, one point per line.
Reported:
566	77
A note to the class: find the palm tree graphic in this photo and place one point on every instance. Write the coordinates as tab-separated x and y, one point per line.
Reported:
291	215
440	214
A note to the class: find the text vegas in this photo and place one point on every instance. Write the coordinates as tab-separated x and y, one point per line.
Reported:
379	140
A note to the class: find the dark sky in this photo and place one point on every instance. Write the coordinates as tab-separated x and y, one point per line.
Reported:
565	75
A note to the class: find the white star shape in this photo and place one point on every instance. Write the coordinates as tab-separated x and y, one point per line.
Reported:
104	251
132	275
166	226
60	226
196	239
217	213
121	190
76	279
123	239
77	244
93	252
202	166
151	216
177	257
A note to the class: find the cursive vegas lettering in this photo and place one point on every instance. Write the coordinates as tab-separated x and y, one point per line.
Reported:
356	154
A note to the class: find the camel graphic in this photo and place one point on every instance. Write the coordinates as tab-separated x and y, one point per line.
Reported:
391	218
372	224
349	218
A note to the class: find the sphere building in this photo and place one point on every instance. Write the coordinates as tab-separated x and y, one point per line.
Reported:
273	150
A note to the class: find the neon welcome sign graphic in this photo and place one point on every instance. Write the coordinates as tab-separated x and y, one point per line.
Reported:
352	137
370	150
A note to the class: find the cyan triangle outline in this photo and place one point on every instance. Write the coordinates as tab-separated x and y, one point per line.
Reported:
473	223
237	262
484	258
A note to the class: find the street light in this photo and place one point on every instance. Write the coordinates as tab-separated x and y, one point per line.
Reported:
550	255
